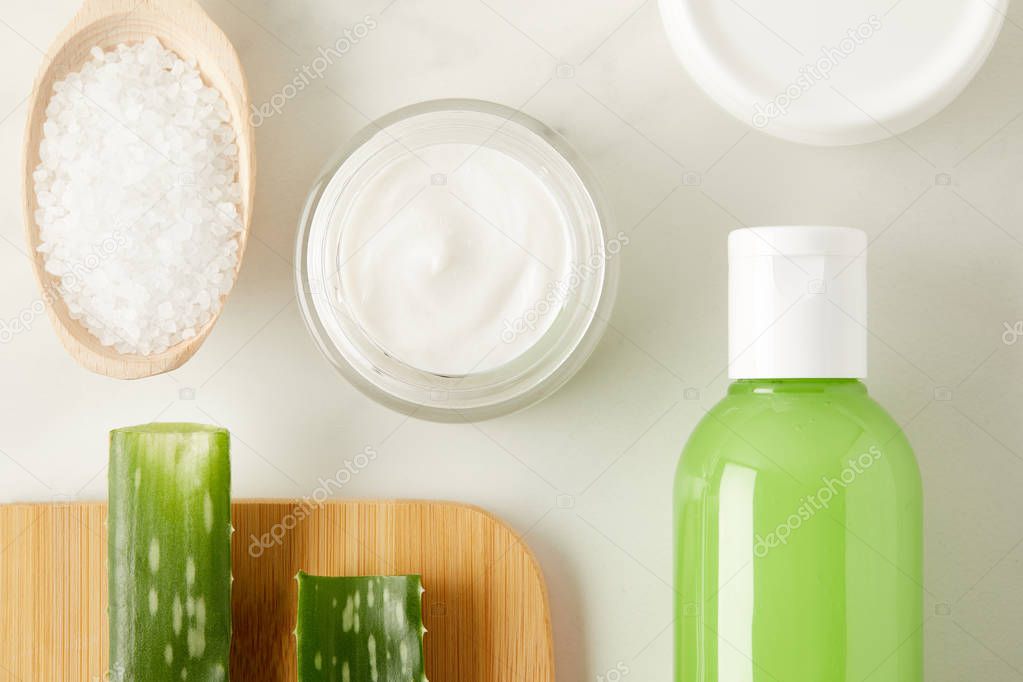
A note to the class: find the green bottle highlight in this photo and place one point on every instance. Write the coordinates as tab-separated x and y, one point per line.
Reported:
797	500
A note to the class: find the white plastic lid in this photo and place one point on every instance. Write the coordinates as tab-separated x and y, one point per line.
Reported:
833	72
797	303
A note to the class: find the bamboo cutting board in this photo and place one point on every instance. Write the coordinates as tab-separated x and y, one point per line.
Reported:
485	606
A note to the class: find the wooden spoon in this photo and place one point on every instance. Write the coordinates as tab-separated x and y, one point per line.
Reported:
181	26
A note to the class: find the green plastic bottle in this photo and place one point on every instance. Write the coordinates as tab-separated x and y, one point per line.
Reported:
798	513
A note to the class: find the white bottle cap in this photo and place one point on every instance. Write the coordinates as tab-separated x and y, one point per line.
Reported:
797	303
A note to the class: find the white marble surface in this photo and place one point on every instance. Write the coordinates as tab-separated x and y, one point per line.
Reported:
586	476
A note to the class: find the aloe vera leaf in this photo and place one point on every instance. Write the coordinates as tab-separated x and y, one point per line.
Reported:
169	553
360	629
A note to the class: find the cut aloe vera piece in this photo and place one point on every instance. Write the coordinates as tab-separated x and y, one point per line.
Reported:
360	629
169	552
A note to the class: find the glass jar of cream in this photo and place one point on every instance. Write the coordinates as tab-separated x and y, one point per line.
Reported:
454	262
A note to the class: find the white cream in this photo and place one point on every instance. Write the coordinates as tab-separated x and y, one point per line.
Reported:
449	258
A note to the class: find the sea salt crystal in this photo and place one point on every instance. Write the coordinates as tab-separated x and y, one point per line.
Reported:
138	199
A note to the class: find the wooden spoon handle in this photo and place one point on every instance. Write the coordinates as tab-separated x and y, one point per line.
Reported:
92	10
97	9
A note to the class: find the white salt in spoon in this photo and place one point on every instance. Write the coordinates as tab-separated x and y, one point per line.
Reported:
183	27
